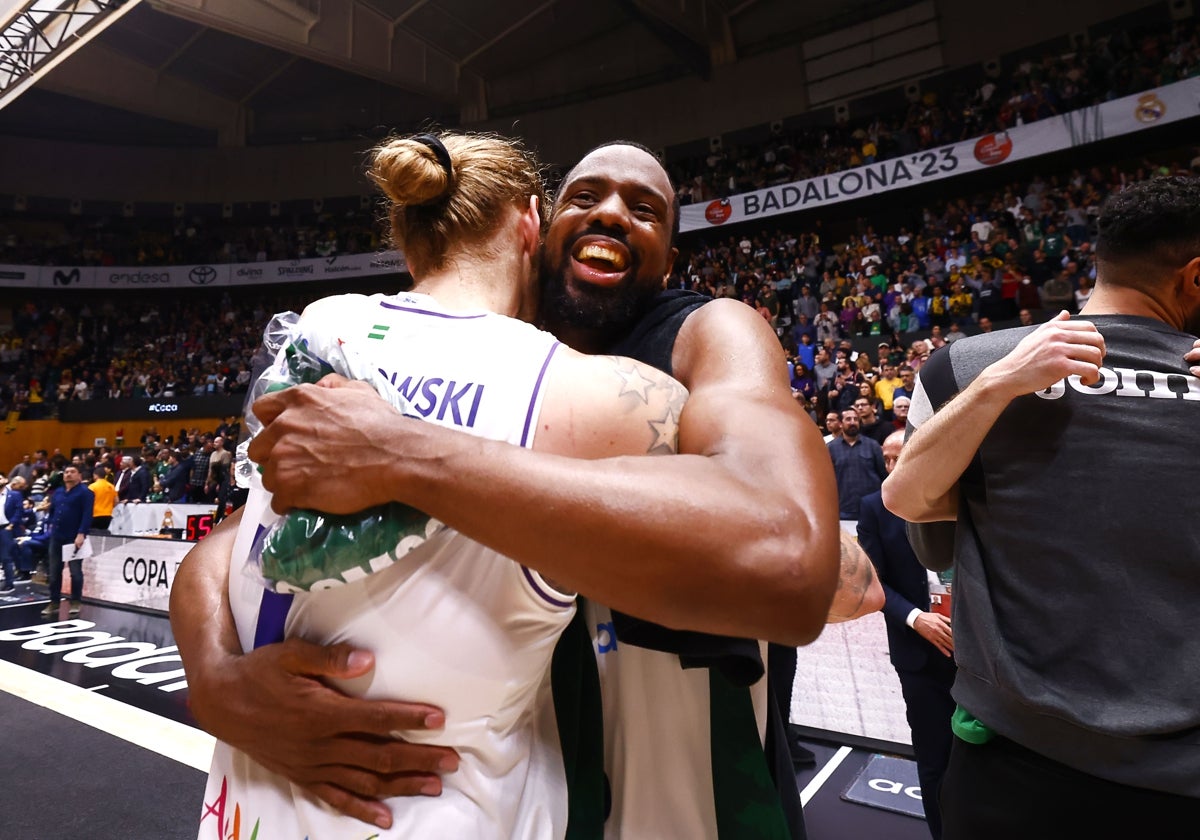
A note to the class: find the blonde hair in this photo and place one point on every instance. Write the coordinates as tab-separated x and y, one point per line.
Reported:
434	208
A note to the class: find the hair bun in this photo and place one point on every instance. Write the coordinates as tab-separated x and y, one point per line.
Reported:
409	172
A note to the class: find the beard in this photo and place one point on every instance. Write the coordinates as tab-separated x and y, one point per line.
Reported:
583	306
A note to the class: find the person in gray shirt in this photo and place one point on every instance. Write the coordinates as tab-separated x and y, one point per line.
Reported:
1061	454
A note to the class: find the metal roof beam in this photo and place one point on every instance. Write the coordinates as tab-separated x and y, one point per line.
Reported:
38	35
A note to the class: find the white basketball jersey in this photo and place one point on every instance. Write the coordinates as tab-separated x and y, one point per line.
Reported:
451	623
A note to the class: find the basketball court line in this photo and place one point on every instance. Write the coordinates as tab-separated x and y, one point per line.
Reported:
168	738
810	790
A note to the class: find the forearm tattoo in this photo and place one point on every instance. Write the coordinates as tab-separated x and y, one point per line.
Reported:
856	573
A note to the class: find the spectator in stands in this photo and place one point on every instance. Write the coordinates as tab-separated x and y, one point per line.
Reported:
198	483
24	469
156	493
1058	293
12	502
179	469
140	479
122	469
857	465
1083	293
104	495
900	408
871	425
71	519
40	484
220	473
833	426
31	546
908	386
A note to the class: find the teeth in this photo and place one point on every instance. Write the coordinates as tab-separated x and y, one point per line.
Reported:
595	251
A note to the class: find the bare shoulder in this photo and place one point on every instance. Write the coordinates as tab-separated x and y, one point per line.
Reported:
727	343
601	406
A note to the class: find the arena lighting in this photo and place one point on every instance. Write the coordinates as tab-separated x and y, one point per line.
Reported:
35	35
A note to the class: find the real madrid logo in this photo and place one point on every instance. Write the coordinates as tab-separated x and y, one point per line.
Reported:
1149	108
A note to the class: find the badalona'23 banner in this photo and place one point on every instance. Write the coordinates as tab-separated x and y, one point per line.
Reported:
1178	101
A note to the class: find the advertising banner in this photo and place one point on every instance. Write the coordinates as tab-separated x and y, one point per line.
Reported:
133	572
198	276
1171	103
155	409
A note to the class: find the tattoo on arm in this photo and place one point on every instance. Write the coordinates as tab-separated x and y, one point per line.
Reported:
657	397
854	577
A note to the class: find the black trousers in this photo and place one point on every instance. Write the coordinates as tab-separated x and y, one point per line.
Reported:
929	706
781	670
1002	791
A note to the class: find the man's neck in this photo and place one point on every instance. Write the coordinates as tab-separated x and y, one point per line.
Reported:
582	339
1112	299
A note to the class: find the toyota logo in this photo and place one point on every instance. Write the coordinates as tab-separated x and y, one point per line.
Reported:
202	275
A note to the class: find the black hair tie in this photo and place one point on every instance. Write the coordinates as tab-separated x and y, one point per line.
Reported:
439	151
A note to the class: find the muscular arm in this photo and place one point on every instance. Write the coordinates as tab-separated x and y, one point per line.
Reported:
738	535
339	748
859	590
924	485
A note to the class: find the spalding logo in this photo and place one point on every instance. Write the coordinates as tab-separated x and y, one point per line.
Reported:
993	149
718	212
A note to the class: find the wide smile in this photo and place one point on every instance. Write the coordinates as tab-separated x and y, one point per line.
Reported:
600	260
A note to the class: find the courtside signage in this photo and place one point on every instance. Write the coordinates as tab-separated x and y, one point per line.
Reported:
199	276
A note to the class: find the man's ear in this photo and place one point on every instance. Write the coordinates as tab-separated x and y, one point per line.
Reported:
530	227
671	257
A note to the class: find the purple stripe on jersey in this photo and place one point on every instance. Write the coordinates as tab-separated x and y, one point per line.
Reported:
537	387
416	311
273	608
272	613
545	596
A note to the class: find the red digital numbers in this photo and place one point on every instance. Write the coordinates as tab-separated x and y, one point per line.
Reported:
198	526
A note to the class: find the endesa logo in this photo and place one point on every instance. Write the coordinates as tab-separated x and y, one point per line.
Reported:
993	149
139	278
163	408
718	212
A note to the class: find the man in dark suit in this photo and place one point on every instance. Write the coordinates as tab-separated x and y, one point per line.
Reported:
11	517
175	482
920	642
123	469
139	482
